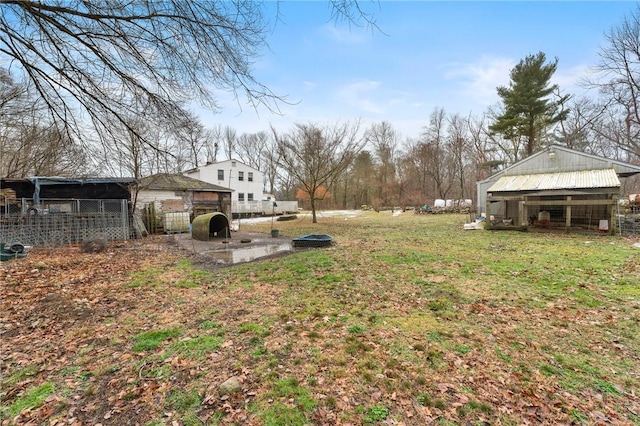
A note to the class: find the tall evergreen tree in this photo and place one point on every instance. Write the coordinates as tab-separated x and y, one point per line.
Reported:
528	107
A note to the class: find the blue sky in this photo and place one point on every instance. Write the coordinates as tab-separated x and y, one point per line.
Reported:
427	54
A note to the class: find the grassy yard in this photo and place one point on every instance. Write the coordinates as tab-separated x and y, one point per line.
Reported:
407	320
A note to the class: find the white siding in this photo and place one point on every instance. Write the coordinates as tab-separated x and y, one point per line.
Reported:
209	173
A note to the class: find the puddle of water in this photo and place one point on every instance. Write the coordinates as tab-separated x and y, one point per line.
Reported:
239	255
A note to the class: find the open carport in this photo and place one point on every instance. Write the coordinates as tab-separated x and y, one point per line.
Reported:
210	225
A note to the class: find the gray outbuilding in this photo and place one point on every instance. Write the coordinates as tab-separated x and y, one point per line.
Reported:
555	187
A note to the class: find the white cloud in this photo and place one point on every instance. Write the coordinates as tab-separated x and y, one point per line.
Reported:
345	35
360	95
570	79
478	80
309	85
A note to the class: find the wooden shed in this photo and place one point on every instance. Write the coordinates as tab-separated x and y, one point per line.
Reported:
164	199
555	187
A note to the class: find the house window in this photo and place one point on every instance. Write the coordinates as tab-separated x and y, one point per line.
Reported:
233	164
240	176
250	196
250	177
240	196
220	174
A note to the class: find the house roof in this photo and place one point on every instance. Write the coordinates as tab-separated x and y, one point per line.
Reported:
178	182
605	178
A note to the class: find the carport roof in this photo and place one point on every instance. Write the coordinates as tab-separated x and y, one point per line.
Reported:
604	178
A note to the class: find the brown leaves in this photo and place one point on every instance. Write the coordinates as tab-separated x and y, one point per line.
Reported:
70	318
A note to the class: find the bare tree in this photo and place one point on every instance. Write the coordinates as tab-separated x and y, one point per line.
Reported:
362	178
436	152
483	152
458	142
251	149
93	63
101	59
193	140
213	147
29	144
128	157
316	156
584	126
41	151
619	81
11	93
385	141
229	137
414	171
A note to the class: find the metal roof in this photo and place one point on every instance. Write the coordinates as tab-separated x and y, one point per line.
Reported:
605	178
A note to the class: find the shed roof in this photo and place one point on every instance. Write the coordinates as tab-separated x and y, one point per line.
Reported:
177	182
557	158
605	178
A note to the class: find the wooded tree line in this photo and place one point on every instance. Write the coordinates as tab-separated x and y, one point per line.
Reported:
116	107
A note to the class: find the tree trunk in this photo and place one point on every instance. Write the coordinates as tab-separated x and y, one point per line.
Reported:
313	210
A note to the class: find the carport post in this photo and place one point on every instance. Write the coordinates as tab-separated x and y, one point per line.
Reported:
568	214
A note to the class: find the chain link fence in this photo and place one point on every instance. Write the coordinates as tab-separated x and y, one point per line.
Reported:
628	218
56	222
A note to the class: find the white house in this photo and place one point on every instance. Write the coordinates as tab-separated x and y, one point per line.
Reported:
248	197
247	183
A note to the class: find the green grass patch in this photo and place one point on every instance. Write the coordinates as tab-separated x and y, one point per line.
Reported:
191	276
254	328
186	404
281	414
148	277
153	339
196	347
209	325
411	306
154	371
21	375
356	329
376	413
462	349
32	398
183	400
474	406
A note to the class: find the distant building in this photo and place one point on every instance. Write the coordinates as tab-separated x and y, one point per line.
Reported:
248	197
168	202
556	187
247	183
